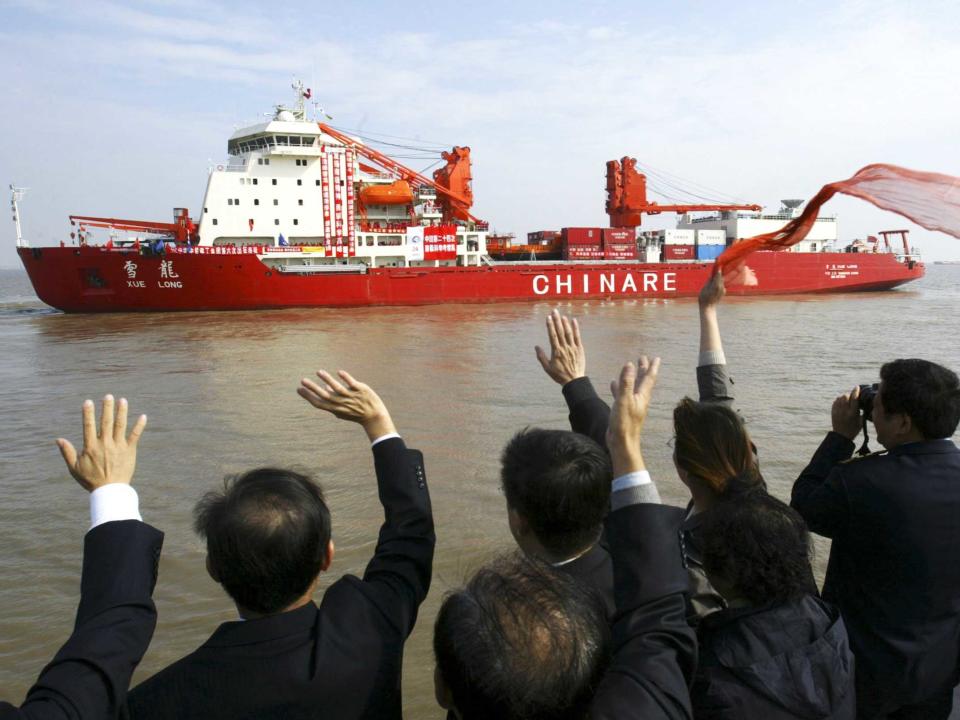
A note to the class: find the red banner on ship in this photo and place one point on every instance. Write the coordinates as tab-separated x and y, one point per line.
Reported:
931	200
440	242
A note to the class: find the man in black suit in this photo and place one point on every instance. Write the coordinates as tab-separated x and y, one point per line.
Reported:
893	518
268	540
89	676
521	640
557	485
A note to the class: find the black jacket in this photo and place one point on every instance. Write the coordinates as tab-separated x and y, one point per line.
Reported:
341	660
594	569
655	649
894	568
782	662
89	676
590	416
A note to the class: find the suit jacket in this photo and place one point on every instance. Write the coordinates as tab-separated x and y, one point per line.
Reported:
590	415
594	569
655	650
339	660
89	676
893	568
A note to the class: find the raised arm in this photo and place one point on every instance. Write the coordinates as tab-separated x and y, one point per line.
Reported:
819	494
654	647
90	675
567	366
398	576
712	382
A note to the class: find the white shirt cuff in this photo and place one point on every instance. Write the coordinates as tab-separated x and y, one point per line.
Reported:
711	357
388	436
633	479
115	501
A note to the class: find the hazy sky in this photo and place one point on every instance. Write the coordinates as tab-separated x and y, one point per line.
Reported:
117	109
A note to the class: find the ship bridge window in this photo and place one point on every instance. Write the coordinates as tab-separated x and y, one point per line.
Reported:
282	140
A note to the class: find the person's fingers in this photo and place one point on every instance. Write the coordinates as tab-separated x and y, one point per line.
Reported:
576	333
137	431
89	423
648	378
332	382
627	376
613	388
120	424
567	330
351	382
315	390
68	451
855	393
313	398
106	417
552	332
542	357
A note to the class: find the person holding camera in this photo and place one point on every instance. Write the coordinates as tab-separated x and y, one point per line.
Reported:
893	518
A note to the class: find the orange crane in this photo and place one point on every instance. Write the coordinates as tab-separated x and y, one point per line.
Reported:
452	181
627	197
182	229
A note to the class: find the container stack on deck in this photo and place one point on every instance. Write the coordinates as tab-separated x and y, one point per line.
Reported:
582	243
710	244
619	244
678	244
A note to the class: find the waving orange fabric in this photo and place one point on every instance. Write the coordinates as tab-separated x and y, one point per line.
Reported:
931	200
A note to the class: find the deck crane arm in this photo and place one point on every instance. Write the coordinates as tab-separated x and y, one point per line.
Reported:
627	197
403	172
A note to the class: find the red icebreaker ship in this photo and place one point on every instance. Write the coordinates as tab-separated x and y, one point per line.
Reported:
303	214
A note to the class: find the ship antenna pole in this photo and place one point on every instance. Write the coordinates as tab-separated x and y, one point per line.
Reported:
16	194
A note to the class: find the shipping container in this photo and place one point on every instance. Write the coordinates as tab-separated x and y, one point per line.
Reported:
619	236
583	252
620	252
709	252
711	237
679	237
679	252
540	236
581	236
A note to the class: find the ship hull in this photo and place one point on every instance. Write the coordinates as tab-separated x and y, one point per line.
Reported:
99	279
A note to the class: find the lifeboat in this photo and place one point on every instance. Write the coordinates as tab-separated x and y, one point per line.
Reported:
396	193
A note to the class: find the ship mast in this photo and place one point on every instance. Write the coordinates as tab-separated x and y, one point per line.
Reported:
16	195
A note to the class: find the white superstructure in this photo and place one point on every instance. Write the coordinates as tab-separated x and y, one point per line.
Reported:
292	189
738	225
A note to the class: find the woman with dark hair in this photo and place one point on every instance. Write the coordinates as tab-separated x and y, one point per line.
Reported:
777	651
713	452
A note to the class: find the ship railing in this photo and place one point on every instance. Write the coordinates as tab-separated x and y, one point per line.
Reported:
314	269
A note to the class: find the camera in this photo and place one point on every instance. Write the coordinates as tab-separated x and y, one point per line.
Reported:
868	394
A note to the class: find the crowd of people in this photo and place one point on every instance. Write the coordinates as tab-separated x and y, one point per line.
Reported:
614	605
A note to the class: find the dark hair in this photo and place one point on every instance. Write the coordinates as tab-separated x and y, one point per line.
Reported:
522	640
761	546
267	534
927	392
713	445
559	482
